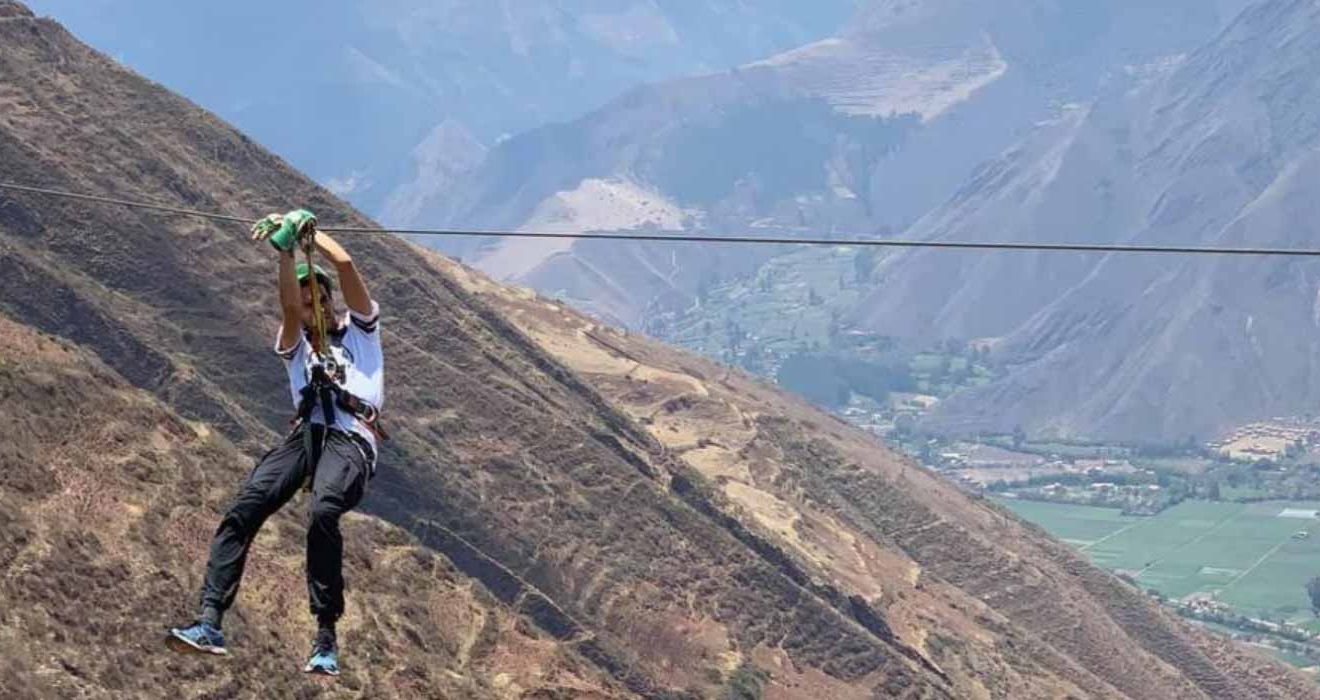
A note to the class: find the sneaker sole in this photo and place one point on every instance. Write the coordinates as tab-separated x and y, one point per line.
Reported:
184	645
320	670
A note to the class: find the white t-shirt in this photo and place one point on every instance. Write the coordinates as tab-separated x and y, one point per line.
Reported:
356	347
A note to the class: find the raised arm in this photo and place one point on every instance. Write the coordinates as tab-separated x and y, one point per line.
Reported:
290	293
290	302
284	232
350	281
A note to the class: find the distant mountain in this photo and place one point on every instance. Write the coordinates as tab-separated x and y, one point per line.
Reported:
863	132
562	511
1218	148
354	92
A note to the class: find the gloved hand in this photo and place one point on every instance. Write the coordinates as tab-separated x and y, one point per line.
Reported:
286	231
265	227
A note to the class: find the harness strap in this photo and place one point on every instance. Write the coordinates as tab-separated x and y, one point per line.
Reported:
366	413
329	394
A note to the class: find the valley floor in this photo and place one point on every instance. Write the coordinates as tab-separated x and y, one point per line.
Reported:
1243	567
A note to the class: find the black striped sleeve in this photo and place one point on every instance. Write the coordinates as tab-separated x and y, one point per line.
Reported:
368	323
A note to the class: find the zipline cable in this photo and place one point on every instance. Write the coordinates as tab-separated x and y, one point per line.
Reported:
688	238
126	203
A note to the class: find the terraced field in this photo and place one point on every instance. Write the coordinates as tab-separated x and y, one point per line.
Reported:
1250	556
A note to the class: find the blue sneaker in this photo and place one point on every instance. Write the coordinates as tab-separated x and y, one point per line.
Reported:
199	638
325	656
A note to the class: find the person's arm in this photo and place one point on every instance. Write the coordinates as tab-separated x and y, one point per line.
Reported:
290	303
351	285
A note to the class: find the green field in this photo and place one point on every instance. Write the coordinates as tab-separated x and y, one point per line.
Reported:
1243	553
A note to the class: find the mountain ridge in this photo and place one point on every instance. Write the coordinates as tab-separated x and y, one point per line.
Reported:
537	479
390	72
664	394
155	324
863	132
1205	152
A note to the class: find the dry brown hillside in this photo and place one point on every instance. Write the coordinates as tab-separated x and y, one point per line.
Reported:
964	582
106	498
678	533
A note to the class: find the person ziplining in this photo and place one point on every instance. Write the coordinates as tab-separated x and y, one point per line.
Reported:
336	377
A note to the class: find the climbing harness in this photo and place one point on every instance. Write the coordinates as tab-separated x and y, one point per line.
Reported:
323	389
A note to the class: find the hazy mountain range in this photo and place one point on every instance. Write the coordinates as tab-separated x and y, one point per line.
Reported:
861	133
1162	122
383	100
1216	148
1174	123
563	510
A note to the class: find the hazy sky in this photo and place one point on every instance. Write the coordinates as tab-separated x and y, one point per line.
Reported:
345	89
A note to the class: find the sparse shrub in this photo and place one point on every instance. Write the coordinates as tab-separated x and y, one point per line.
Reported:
746	683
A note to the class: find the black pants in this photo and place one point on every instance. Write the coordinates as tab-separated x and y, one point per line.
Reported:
339	479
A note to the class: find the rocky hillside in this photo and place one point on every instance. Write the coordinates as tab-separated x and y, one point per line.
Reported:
570	510
962	581
863	132
106	500
1216	149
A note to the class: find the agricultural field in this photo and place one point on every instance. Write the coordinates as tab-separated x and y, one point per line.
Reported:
1187	466
1250	556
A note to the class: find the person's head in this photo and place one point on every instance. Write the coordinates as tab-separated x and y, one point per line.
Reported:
327	290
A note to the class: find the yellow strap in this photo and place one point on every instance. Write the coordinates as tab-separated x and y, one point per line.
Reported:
318	319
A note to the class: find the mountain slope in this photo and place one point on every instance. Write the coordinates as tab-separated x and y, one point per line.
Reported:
502	460
831	569
863	132
1217	150
106	500
820	490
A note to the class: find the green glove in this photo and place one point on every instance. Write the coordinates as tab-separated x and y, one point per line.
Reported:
284	232
266	226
